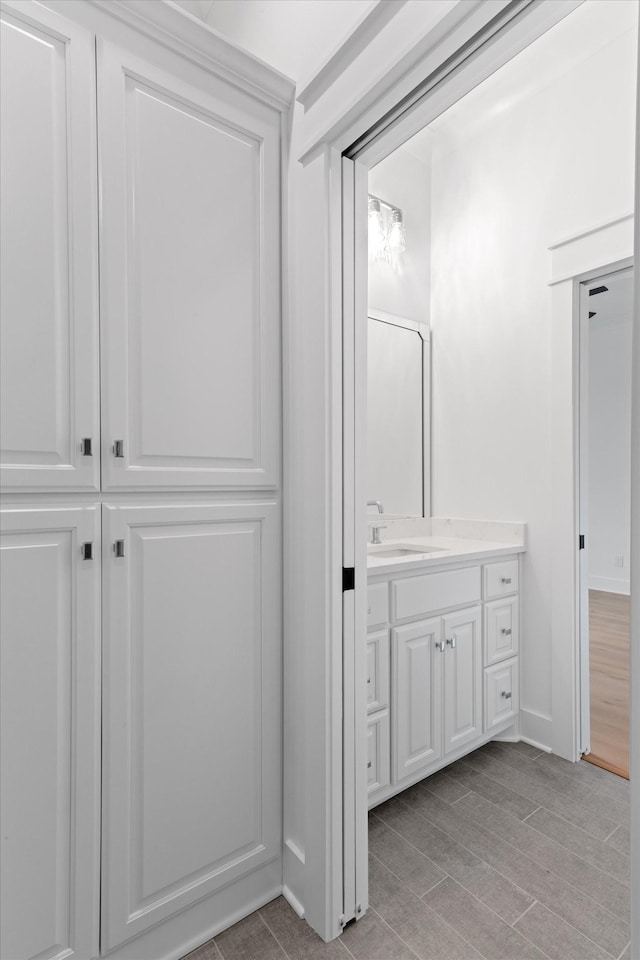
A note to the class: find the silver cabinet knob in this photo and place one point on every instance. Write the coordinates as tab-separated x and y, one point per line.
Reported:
451	642
507	696
506	631
505	579
440	645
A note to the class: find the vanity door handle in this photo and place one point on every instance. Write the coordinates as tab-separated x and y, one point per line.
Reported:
505	579
451	642
507	696
369	765
440	645
506	631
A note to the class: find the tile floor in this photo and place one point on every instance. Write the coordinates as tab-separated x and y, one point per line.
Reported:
508	854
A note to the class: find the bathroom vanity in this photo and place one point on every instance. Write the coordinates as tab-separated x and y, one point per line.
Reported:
442	646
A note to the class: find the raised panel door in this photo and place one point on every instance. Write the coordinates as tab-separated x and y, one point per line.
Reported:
50	734
416	699
462	678
190	276
48	252
192	714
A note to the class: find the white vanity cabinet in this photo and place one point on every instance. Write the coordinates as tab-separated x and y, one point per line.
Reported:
452	667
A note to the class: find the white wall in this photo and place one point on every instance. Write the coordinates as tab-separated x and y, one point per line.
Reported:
403	288
515	180
609	406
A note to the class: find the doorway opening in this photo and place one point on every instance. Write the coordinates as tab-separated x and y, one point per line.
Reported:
496	183
606	313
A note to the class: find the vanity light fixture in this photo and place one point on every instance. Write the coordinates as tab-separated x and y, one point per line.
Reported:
387	238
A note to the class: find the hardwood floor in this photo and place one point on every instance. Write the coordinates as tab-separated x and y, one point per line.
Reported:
609	651
507	854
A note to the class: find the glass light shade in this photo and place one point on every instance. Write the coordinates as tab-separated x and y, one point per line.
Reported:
396	239
377	237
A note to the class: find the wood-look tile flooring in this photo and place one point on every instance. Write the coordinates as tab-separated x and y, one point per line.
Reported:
609	656
508	854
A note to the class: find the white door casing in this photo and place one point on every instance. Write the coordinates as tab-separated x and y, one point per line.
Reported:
49	339
190	288
192	706
50	731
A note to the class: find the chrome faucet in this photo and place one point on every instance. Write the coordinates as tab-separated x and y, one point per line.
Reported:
376	527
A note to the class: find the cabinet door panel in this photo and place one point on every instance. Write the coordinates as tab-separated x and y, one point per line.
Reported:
416	697
192	707
48	348
462	678
50	734
189	277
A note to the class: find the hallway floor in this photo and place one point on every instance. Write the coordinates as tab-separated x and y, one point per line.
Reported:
610	669
508	854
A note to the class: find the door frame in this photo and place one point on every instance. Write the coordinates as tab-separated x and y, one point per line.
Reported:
581	446
356	99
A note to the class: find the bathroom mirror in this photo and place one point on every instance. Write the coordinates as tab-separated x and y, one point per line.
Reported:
398	415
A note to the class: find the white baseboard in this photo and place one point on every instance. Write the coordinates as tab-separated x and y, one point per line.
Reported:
610	585
293	869
536	729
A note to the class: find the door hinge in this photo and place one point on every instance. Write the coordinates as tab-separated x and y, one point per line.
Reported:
118	448
581	542
118	548
86	551
85	447
348	578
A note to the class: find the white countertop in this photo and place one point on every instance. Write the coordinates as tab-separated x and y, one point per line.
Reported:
442	550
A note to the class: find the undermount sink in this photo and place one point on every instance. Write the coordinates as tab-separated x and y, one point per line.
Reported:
389	552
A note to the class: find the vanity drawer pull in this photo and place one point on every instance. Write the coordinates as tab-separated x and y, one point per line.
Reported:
506	631
505	579
507	696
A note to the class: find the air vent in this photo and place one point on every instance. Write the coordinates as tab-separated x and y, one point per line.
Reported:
596	290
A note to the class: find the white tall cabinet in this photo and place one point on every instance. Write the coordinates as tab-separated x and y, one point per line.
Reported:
141	522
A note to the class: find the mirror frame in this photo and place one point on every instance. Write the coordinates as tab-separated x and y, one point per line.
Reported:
424	333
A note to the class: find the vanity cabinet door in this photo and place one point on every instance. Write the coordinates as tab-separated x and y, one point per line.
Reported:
417	658
462	678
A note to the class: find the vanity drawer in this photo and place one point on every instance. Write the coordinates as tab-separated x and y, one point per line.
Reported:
500	630
377	670
500	579
417	596
377	604
501	701
378	755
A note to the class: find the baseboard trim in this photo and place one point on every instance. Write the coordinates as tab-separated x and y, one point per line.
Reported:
536	730
293	870
293	901
534	743
610	585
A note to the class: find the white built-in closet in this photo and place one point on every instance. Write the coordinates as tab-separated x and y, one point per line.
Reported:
141	553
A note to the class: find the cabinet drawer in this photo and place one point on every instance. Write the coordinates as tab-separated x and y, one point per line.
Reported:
501	702
377	670
378	756
417	596
377	604
500	579
500	630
